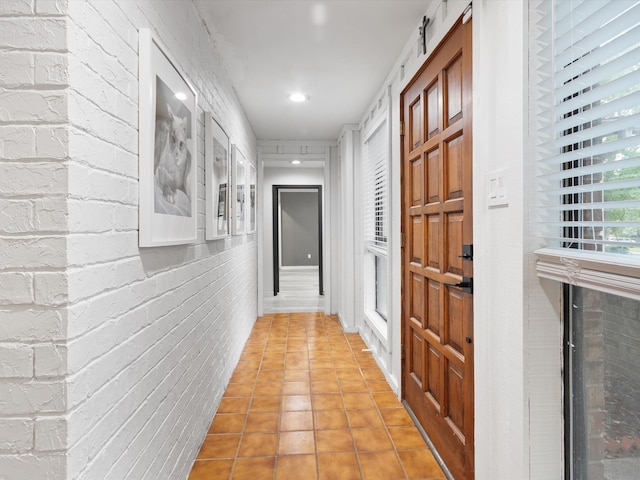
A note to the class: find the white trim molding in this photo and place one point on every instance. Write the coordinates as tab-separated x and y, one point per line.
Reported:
615	274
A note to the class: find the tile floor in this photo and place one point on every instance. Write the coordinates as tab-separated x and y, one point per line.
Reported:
306	403
298	293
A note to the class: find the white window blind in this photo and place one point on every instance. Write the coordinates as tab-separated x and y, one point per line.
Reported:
588	138
376	156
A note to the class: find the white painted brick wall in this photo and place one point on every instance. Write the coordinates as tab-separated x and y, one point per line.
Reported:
15	216
50	360
33	185
16	361
32	106
17	69
32	397
113	358
51	69
50	434
32	325
16	7
16	435
33	178
16	289
153	334
51	7
33	33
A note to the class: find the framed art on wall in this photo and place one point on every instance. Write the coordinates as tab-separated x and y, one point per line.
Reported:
239	190
168	156
253	195
216	180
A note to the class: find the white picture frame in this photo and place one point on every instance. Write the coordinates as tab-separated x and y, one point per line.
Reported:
217	185
252	199
238	201
167	148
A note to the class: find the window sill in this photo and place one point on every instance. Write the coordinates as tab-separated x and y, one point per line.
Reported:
378	326
615	274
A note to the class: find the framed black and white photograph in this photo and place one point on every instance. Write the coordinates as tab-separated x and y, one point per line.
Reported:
168	156
239	190
253	195
217	192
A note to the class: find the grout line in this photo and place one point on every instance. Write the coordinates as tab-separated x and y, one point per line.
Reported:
335	343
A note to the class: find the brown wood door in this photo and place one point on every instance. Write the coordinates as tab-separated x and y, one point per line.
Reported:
437	317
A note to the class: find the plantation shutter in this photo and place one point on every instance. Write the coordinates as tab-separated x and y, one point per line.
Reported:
588	131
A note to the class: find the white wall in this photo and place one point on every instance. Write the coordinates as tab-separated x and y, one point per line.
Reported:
281	176
518	332
335	209
116	356
499	97
33	247
348	152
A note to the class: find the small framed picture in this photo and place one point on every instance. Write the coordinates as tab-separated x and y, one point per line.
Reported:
239	190
217	191
168	156
253	195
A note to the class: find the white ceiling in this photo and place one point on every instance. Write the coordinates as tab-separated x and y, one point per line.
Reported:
337	52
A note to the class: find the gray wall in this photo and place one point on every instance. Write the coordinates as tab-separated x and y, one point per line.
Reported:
299	228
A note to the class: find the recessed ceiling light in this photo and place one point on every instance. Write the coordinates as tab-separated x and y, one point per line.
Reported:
297	97
181	96
295	162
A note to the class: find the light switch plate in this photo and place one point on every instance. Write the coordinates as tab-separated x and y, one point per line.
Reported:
498	189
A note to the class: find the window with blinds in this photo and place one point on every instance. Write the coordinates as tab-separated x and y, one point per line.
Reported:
588	118
376	155
375	212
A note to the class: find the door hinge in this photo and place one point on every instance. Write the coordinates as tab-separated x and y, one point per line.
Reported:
402	240
403	353
401	129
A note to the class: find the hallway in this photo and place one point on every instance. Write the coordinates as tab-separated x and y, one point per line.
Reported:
307	402
298	293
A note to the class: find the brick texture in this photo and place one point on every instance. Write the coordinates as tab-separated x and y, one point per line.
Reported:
33	146
114	358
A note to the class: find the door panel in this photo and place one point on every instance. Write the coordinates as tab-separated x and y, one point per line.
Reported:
417	297
433	123
433	257
437	220
456	393
454	163
453	86
417	244
416	124
454	326
433	299
433	364
455	225
433	176
415	367
416	182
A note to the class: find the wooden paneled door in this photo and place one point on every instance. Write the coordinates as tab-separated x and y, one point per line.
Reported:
437	275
